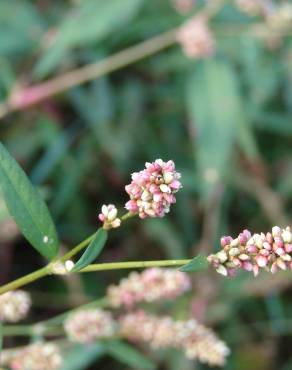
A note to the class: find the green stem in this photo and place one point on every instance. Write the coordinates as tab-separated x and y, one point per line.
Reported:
28	330
25	279
134	265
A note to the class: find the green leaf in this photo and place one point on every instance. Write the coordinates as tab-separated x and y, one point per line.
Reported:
27	207
81	356
214	105
88	22
92	251
199	263
128	355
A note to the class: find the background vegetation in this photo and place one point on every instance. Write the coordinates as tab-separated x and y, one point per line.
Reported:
225	121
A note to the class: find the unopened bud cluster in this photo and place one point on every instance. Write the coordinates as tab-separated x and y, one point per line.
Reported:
14	306
196	38
39	356
198	342
88	325
152	189
109	217
151	285
271	251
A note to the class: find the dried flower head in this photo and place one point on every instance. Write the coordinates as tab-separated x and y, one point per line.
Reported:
14	306
271	251
196	38
152	189
88	325
151	285
183	6
39	356
197	341
109	217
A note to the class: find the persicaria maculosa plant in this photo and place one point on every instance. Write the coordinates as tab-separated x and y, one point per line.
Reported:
119	316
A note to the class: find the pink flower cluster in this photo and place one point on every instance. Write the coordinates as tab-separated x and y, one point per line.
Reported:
88	325
39	356
151	285
152	189
14	306
271	251
196	39
197	341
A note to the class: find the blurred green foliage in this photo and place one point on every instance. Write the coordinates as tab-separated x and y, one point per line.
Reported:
225	121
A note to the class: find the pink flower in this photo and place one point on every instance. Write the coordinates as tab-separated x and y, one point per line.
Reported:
152	189
271	251
196	39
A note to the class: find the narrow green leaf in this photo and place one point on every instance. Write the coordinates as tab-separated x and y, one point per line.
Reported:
27	207
81	356
92	251
214	104
199	263
128	355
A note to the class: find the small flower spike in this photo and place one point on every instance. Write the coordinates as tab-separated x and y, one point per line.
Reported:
109	217
271	251
85	326
152	189
197	341
151	285
14	306
196	38
39	356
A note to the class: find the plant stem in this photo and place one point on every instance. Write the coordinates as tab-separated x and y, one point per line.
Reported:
28	330
133	265
25	279
31	95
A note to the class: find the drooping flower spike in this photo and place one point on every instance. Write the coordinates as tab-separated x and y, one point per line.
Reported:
152	189
271	251
197	341
151	285
85	326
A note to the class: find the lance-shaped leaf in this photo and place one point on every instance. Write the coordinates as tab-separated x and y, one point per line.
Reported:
92	251
199	263
128	355
27	207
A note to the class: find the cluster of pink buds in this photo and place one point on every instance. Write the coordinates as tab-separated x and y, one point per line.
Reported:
183	6
85	326
151	285
109	217
197	341
196	38
14	306
39	356
152	189
271	251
